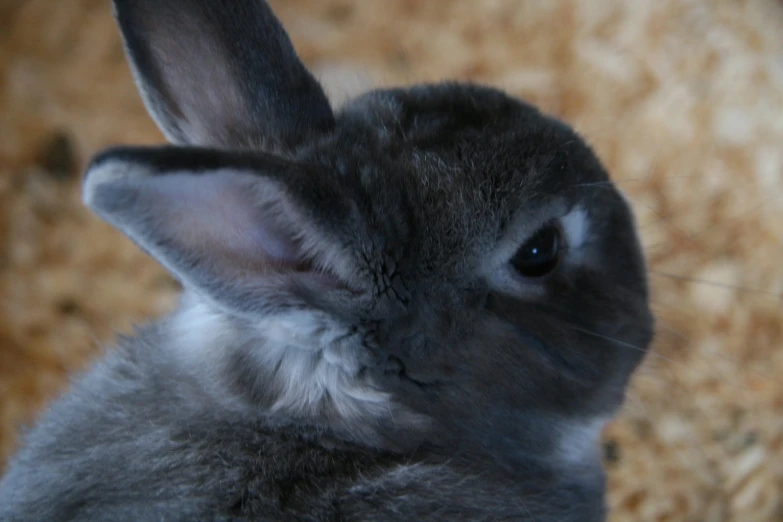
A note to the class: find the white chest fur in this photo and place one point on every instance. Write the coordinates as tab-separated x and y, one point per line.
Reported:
311	362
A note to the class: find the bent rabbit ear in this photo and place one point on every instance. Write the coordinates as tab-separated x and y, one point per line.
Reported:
223	224
221	74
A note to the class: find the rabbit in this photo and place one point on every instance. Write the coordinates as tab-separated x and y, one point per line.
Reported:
422	306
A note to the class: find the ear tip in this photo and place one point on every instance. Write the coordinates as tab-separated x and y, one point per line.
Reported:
108	169
97	177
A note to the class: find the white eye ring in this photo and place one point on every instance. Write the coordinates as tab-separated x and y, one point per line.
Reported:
576	226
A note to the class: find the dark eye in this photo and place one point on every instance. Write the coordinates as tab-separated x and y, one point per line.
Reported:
540	254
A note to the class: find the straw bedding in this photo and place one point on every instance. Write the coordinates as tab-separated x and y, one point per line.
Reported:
683	100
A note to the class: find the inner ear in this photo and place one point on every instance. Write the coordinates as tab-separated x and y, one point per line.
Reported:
224	212
236	232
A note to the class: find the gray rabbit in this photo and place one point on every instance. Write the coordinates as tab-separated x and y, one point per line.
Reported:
424	306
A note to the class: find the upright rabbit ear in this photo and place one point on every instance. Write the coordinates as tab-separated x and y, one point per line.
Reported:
230	226
220	73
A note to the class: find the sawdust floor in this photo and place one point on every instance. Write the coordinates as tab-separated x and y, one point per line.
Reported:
682	99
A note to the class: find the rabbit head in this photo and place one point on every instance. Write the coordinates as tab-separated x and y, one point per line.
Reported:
443	250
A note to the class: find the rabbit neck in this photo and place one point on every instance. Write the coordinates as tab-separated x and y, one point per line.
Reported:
299	364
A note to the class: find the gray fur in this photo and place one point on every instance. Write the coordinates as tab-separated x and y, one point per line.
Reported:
353	342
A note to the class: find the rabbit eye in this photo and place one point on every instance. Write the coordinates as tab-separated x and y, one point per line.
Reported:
540	254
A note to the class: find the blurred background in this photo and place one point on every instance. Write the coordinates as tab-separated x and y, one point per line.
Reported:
683	100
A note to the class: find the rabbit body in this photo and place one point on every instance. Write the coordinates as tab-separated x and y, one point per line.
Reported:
369	330
135	440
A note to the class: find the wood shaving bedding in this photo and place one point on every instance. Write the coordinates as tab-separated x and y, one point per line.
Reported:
682	99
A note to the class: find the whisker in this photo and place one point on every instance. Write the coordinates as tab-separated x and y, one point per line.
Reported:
628	345
611	182
669	221
755	208
654	353
690	237
715	284
676	333
599	184
650	249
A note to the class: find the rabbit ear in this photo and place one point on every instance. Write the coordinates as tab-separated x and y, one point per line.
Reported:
216	73
224	224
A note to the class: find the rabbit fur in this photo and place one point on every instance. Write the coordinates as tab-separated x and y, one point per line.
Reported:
353	342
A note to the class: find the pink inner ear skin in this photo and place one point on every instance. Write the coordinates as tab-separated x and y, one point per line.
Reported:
224	220
216	215
277	244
